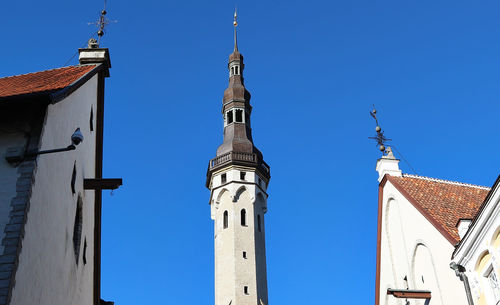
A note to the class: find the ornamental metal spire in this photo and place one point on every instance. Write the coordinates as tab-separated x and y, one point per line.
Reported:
235	23
102	23
379	138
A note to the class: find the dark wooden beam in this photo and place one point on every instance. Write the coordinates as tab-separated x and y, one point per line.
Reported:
409	294
102	184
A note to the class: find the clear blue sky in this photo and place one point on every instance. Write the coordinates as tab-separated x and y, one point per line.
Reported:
314	68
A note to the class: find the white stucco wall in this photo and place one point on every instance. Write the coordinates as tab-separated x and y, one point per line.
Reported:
48	272
480	250
411	246
233	271
9	137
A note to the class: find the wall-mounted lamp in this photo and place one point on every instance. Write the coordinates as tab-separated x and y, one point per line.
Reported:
17	155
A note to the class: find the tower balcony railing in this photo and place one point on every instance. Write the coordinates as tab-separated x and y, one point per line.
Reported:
238	156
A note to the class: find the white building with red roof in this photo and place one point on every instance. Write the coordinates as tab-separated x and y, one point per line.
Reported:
51	146
417	233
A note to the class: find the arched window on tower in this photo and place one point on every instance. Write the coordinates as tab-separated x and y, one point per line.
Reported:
225	220
243	217
230	116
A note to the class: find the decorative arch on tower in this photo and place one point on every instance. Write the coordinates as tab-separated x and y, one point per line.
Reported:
261	200
238	193
219	196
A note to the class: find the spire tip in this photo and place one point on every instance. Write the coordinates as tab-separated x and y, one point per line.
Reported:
235	23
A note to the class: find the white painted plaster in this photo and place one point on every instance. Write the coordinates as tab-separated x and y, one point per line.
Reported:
388	164
463	226
411	246
232	271
48	273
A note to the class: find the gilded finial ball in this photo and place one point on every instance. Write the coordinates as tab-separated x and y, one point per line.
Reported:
103	12
100	33
378	129
235	23
374	111
382	148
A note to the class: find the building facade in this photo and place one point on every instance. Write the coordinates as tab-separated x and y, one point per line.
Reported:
238	178
417	234
477	257
50	203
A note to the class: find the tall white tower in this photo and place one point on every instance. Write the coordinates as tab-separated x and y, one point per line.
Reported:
237	178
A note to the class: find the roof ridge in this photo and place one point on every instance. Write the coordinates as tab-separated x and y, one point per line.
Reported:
447	181
17	75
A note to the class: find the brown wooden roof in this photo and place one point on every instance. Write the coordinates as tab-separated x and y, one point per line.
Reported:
442	202
44	81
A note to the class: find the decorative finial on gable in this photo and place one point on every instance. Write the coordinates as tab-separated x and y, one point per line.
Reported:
380	138
235	23
102	23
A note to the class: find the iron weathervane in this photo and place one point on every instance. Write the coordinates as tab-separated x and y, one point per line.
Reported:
102	23
379	138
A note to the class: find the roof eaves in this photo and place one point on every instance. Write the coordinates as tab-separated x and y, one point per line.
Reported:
60	94
54	95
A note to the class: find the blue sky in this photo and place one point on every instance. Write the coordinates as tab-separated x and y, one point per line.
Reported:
314	69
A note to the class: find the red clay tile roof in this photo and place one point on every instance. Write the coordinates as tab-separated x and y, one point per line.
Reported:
445	202
43	81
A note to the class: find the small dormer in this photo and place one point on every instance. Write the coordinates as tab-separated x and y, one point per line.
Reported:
463	225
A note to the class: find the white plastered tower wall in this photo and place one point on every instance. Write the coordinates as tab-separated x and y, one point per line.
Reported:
240	257
411	247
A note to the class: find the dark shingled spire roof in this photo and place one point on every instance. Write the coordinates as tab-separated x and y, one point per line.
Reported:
237	146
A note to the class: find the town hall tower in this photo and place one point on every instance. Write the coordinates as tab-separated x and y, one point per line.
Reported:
237	178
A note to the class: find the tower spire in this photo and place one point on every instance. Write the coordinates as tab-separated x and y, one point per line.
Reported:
238	178
235	23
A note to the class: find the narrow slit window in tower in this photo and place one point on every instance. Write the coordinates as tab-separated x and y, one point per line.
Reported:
242	176
237	70
258	223
244	254
229	116
223	178
239	115
225	220
243	217
245	289
232	71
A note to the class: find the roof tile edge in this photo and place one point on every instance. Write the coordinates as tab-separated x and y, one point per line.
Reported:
446	181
